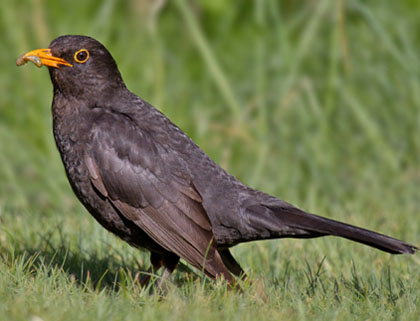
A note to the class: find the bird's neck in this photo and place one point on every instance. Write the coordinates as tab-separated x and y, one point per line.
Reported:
70	111
68	116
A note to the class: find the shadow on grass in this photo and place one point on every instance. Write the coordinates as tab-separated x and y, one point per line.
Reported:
95	269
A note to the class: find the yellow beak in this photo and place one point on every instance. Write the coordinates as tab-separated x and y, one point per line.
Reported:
42	57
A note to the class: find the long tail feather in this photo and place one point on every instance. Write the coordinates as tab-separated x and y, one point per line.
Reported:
287	221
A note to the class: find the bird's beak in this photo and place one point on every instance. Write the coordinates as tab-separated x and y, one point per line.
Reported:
42	57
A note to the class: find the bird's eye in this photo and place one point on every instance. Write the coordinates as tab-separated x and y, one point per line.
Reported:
81	56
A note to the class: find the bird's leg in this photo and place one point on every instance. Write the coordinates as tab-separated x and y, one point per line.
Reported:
169	262
157	262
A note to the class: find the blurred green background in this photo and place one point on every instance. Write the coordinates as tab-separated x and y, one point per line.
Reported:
316	102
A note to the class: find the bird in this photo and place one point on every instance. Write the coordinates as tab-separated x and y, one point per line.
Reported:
143	179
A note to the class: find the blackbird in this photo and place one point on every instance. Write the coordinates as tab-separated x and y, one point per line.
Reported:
145	180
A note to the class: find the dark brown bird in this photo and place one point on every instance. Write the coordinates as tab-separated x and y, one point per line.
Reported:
146	181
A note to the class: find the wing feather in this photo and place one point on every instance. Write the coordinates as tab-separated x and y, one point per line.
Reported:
150	185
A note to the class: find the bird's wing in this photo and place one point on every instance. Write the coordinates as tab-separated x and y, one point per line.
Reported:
150	185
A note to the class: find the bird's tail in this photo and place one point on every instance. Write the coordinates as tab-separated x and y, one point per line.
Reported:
284	220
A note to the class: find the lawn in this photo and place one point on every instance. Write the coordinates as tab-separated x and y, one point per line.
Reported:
315	102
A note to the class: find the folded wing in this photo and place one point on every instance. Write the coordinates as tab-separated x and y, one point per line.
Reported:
151	186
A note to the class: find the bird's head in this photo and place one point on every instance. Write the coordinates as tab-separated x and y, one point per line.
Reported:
79	66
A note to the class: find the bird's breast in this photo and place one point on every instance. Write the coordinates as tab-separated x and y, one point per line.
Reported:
71	139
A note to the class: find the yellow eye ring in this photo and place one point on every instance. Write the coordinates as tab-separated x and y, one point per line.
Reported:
81	56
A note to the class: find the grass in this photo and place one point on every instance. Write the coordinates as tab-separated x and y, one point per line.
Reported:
316	102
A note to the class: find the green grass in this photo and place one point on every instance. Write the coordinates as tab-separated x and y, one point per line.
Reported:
316	102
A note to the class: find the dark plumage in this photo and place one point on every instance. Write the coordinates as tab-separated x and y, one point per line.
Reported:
146	181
